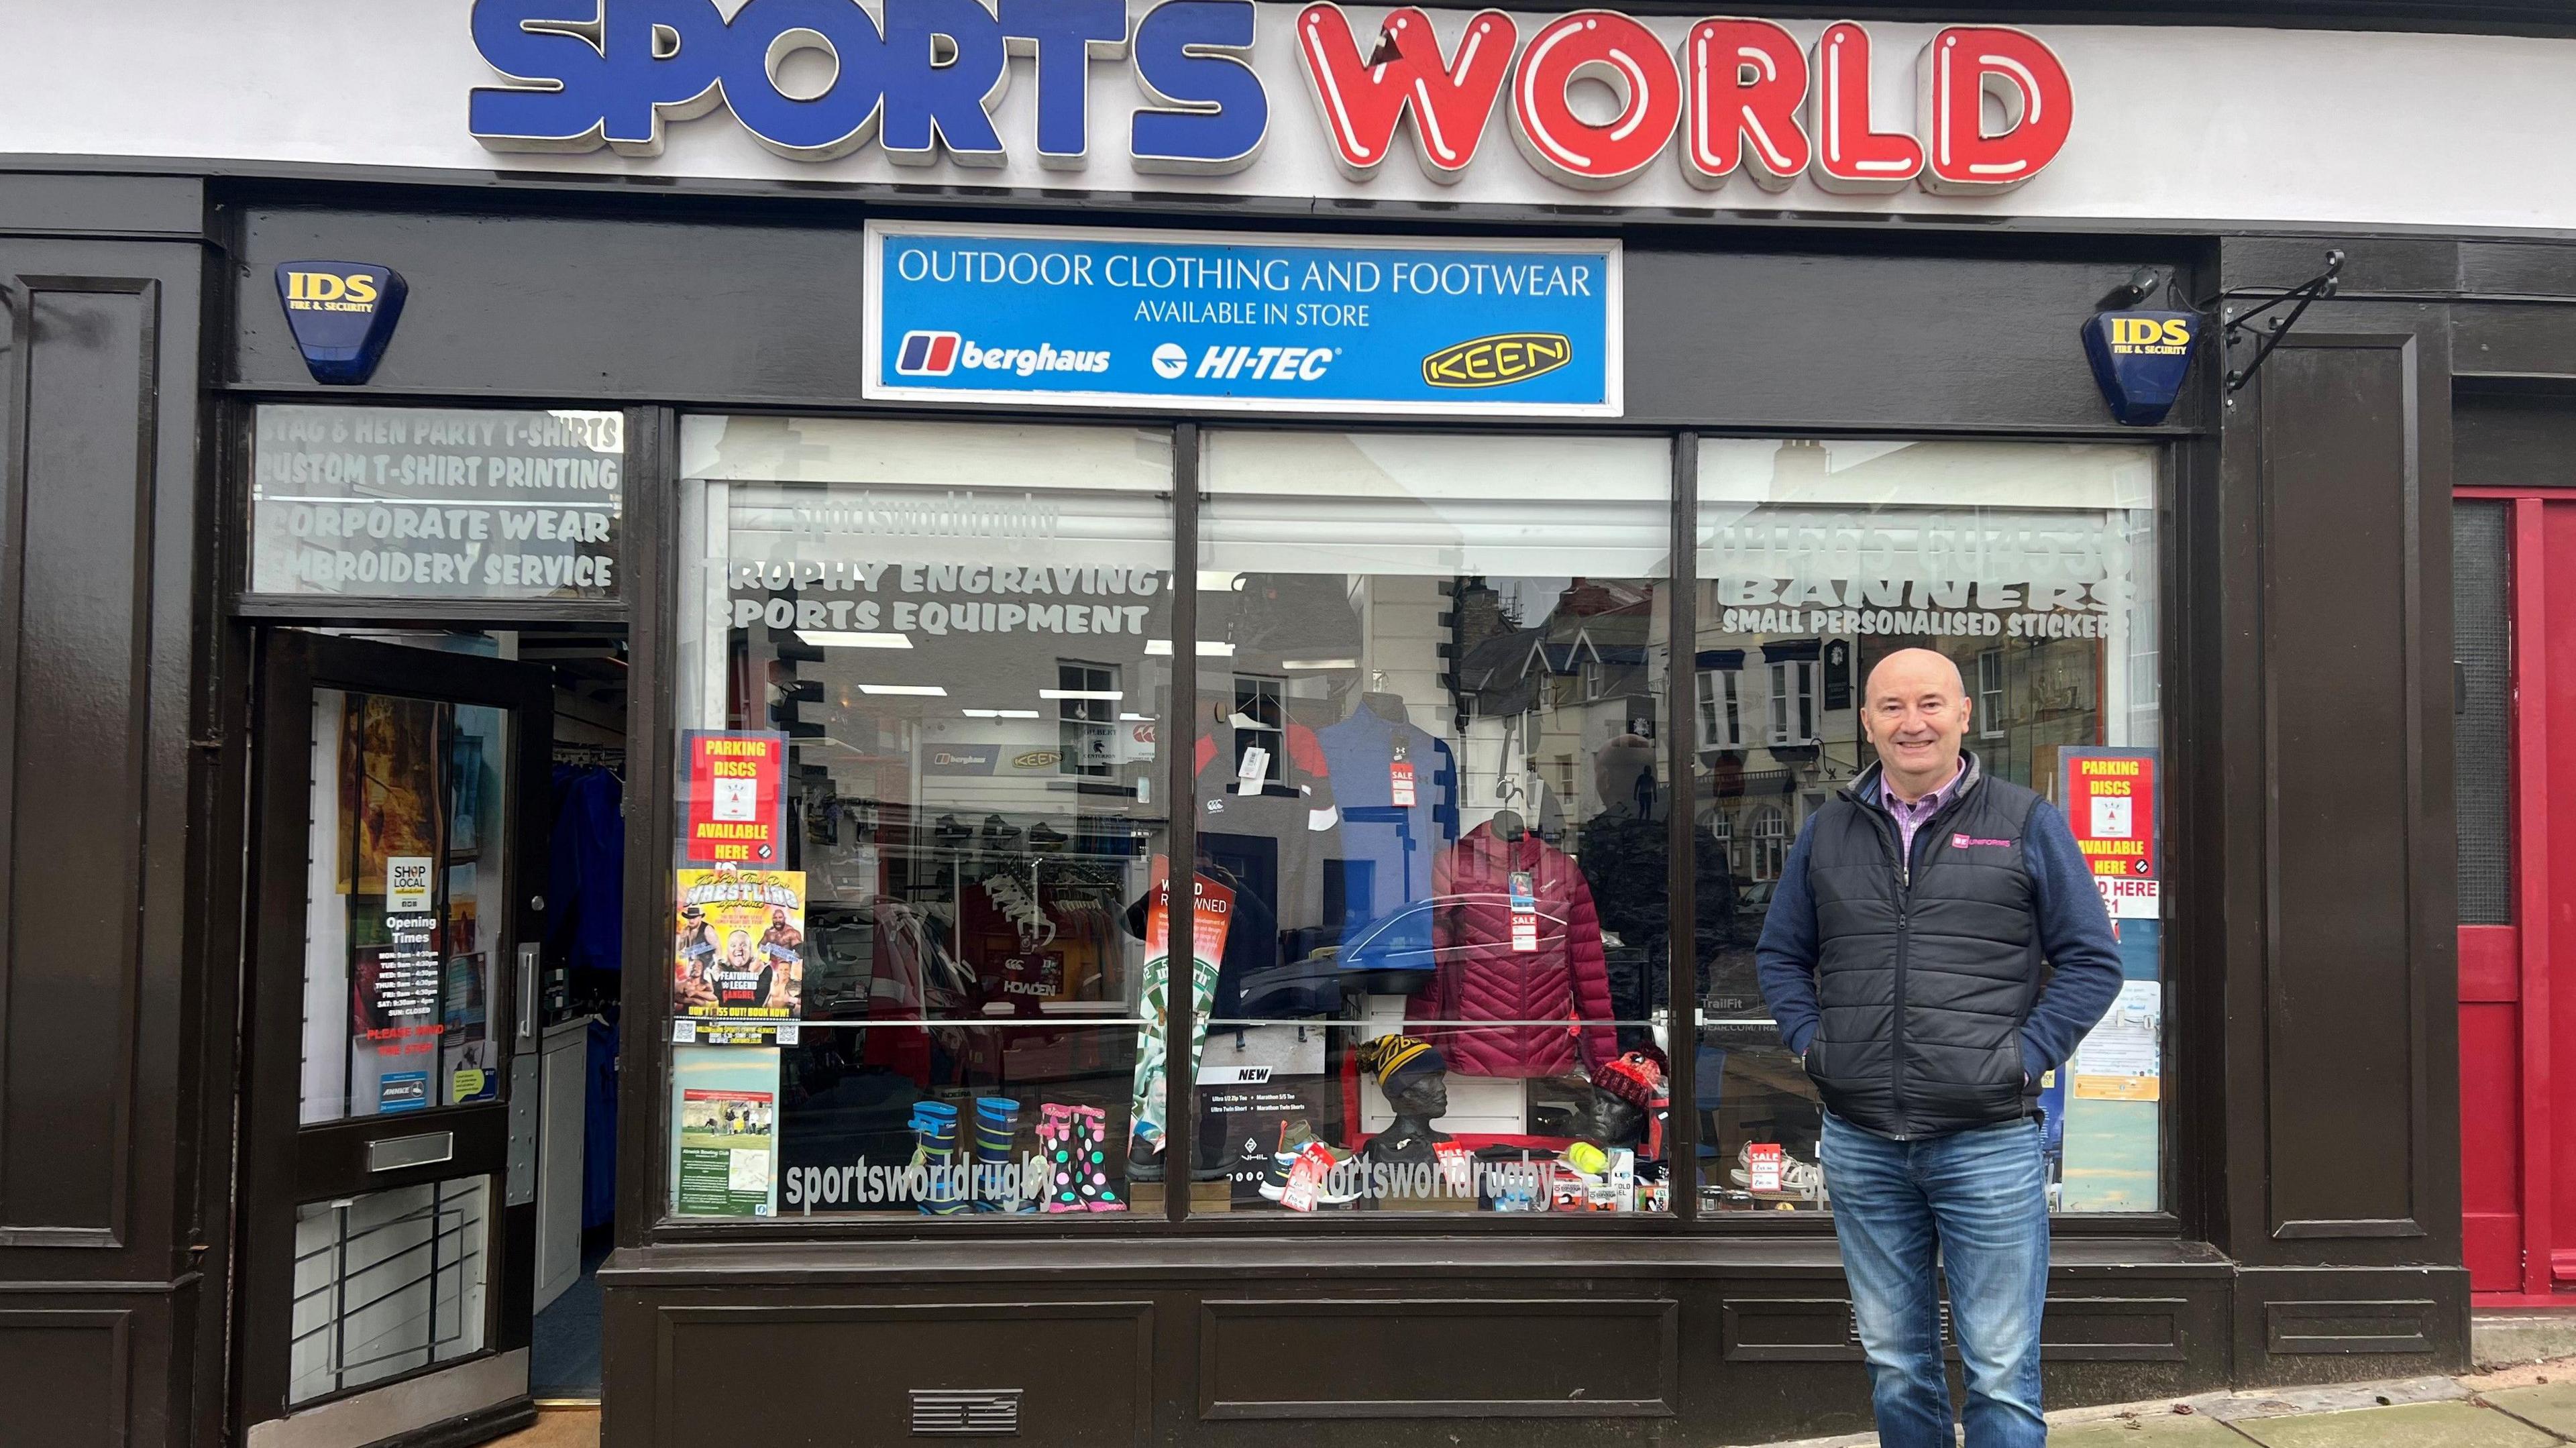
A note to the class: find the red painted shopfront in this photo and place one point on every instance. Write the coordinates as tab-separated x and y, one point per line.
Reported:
2514	601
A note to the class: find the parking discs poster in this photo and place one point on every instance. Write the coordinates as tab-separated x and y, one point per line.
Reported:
1243	321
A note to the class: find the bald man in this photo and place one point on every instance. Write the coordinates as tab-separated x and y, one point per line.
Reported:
1936	944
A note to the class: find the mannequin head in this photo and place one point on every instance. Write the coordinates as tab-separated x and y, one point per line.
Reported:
1612	1121
1424	1094
1412	1073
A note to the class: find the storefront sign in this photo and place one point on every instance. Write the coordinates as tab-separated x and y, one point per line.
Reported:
436	503
1729	95
1121	318
342	313
736	811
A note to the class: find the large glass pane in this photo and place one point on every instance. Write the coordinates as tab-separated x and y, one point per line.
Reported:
405	851
2482	708
1431	807
921	941
436	503
387	1283
2031	567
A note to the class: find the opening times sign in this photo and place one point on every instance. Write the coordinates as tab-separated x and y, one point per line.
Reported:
2111	808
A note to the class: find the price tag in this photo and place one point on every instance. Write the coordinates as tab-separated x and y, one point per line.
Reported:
1524	933
1764	1169
1399	782
1251	768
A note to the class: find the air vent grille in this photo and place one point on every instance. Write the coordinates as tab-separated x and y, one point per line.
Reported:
965	1412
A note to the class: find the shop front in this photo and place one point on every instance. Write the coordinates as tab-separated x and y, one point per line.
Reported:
942	722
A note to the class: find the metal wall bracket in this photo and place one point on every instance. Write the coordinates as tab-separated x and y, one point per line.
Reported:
2240	324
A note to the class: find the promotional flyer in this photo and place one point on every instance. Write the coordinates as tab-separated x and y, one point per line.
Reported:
1211	914
724	1118
738	963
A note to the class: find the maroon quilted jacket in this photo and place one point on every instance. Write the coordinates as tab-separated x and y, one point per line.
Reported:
1481	978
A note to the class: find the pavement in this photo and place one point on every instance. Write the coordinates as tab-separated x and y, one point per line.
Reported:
2528	1406
2532	1405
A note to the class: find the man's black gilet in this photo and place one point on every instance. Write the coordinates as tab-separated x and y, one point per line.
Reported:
1925	979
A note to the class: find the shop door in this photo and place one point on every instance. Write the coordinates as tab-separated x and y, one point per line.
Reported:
2514	701
389	1141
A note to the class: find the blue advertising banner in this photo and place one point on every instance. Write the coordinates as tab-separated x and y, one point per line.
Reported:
1098	317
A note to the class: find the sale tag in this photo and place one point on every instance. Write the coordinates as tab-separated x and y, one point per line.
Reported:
1524	933
1765	1166
1306	1178
1399	782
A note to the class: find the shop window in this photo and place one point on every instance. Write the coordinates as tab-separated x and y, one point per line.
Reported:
2032	567
1439	986
1721	709
2482	708
921	675
436	503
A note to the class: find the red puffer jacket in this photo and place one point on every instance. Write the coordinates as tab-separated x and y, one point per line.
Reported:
1481	978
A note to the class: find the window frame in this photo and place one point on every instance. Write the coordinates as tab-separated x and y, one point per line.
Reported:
651	610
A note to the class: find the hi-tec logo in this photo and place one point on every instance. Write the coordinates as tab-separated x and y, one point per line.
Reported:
1495	361
1720	95
1233	362
944	354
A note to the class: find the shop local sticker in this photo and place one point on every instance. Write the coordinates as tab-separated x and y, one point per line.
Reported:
407	884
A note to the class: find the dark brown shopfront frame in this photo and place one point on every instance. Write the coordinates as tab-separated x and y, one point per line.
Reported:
2311	873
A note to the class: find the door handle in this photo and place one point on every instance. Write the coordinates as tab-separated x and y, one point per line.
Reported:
528	956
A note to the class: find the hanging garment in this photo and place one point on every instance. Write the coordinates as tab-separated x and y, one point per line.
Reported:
1397	788
1554	972
586	875
1272	842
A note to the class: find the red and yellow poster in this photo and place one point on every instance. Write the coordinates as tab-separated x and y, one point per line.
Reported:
736	813
2111	807
738	964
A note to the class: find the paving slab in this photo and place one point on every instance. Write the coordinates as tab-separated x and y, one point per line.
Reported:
2148	1430
2551	1405
2413	1425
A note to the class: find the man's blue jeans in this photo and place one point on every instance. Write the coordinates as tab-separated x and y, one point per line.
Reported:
1979	1199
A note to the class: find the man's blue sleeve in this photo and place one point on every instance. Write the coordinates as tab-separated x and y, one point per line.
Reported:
2075	935
1786	957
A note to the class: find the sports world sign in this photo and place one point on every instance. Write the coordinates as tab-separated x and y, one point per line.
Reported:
1591	99
1110	318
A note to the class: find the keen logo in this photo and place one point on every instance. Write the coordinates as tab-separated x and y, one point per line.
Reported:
1498	360
341	314
927	354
